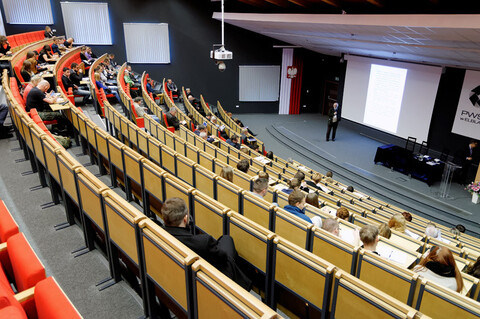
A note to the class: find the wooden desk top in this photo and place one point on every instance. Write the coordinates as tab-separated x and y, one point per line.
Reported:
58	107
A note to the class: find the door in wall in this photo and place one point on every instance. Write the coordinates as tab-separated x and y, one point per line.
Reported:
330	94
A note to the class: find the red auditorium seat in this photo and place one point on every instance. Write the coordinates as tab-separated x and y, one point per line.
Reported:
26	267
8	226
170	128
46	301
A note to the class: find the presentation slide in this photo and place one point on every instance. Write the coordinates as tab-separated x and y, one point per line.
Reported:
394	97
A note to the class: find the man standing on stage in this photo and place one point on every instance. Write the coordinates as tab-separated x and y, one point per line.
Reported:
333	119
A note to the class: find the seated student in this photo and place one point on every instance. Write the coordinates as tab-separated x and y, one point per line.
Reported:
316	183
45	55
301	177
269	155
67	83
331	225
260	187
140	109
76	75
296	205
408	216
48	32
293	185
369	236
207	138
37	99
440	267
343	213
196	104
172	119
474	270
200	128
26	71
130	80
4	46
243	165
108	71
68	43
349	189
431	230
33	83
312	199
83	56
89	54
220	253
384	231
151	87
172	87
55	46
107	90
329	177
227	173
233	141
398	223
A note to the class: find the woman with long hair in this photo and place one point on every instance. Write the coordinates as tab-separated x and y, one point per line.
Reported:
439	266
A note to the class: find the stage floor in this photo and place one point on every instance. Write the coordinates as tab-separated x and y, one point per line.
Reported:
350	157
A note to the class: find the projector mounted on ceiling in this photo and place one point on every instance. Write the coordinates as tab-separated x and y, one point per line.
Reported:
219	54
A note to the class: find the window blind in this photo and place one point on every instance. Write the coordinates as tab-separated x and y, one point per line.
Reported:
28	11
259	83
87	22
147	42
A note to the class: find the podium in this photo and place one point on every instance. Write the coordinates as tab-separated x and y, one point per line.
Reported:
477	178
447	176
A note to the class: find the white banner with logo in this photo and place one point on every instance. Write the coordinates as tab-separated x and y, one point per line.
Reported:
467	119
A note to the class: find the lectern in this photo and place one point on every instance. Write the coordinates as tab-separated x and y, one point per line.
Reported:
477	178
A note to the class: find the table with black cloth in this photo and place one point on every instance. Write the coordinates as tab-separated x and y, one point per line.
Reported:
417	166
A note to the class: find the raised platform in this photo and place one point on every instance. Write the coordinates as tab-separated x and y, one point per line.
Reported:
351	156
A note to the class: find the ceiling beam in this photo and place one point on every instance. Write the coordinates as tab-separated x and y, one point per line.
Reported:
256	3
301	3
377	3
334	3
280	3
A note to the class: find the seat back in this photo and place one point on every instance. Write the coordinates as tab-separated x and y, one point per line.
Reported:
439	302
352	298
293	228
205	180
217	296
253	242
28	270
229	194
122	224
173	276
258	210
332	248
52	303
394	280
209	215
90	191
307	295
8	226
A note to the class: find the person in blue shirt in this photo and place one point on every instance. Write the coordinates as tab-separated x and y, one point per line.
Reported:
296	205
233	141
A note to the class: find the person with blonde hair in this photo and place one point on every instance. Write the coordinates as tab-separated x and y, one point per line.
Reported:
440	267
384	231
227	173
33	83
398	223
